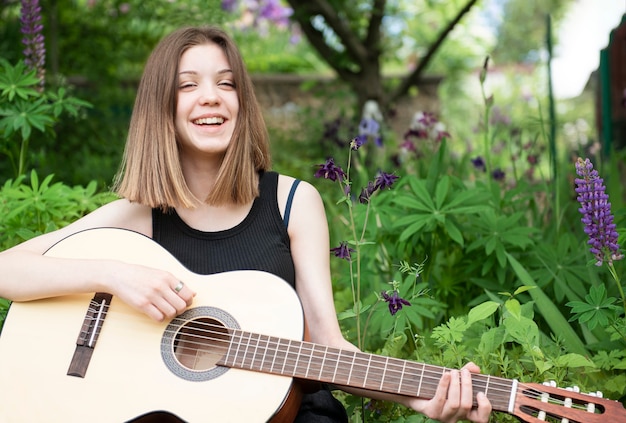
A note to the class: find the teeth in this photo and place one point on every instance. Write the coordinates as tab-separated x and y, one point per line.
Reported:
209	121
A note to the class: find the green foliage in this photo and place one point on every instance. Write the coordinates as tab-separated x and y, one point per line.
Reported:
30	207
506	266
596	310
521	31
24	107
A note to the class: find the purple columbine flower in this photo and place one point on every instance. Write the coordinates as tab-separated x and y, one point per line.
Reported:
357	142
343	251
385	180
498	174
596	211
367	192
479	164
330	170
395	301
34	48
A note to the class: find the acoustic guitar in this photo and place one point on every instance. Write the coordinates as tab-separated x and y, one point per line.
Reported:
233	356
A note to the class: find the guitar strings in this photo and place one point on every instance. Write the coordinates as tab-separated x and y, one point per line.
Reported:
430	374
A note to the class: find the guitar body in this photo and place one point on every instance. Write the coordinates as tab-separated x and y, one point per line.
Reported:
134	369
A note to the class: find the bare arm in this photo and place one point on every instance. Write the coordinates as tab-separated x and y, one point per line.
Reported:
310	247
26	274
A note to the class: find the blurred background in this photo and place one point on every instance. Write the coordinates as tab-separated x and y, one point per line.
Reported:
484	110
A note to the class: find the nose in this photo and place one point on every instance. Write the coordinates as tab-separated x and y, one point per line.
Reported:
209	96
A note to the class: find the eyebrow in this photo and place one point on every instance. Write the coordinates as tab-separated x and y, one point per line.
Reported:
191	72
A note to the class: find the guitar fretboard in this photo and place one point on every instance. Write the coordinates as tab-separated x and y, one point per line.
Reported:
305	360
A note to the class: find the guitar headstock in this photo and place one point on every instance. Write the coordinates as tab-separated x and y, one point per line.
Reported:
536	403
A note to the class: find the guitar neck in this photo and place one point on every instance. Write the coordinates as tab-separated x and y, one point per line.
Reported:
306	360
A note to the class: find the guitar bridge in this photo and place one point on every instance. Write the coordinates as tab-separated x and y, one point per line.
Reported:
89	332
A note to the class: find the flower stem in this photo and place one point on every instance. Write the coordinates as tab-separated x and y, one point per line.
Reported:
619	284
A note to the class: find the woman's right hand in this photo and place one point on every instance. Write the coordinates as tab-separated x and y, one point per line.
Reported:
149	290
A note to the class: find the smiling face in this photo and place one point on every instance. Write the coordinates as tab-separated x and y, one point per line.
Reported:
207	104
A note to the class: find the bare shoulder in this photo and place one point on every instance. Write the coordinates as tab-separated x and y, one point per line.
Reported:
305	195
116	214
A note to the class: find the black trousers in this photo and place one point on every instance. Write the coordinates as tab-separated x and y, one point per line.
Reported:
321	407
317	407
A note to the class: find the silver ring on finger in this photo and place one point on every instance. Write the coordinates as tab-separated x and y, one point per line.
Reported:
179	286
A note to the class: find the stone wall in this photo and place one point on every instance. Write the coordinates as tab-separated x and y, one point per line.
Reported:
287	100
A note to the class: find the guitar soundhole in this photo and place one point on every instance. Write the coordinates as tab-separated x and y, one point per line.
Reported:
200	343
195	341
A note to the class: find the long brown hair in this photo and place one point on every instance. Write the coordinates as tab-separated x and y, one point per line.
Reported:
150	172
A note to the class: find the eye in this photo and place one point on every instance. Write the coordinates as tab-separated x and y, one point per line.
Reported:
227	84
186	85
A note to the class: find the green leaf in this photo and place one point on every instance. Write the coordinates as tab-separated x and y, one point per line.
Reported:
482	311
442	191
513	306
574	360
549	310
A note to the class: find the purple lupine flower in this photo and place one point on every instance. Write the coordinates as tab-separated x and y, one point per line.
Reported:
596	211
34	48
395	301
273	11
229	5
343	251
385	180
330	170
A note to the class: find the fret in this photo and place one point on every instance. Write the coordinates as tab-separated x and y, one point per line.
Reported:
323	362
306	351
421	379
269	355
367	370
377	371
279	357
247	356
318	357
360	369
337	361
287	353
235	353
260	351
382	379
402	372
351	365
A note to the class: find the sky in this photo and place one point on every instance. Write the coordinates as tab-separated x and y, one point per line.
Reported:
582	35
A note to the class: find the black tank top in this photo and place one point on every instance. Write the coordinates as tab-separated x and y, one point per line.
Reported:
259	242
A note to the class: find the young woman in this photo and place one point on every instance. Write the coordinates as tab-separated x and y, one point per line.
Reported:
196	178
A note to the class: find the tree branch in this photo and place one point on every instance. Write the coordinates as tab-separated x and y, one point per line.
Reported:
414	77
304	10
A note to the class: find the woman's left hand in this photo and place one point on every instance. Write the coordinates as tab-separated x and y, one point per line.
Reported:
454	398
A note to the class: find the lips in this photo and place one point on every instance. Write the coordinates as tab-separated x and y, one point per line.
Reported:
214	120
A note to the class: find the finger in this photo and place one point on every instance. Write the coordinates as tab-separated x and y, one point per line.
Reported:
154	313
467	396
472	367
438	401
167	306
483	411
454	391
185	293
